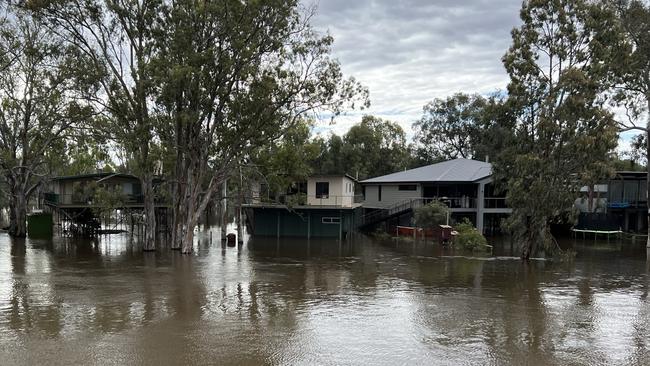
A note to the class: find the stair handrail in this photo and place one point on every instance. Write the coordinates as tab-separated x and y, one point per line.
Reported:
393	209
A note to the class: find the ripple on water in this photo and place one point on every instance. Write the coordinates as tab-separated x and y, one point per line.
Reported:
75	302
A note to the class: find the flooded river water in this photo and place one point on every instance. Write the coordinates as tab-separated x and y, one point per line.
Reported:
65	302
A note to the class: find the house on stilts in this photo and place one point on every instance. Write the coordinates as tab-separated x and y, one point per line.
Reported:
465	185
78	209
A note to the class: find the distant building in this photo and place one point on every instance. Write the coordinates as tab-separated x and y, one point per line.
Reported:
464	185
619	203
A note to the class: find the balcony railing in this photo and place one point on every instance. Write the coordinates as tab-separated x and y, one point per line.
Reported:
454	202
313	200
87	200
495	202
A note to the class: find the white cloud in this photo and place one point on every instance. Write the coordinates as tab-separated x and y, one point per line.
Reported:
409	52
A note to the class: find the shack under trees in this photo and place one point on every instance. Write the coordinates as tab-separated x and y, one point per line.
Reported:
199	86
44	99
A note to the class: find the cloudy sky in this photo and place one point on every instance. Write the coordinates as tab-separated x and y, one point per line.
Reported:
408	52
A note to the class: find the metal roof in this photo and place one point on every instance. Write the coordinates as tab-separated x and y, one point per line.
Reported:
100	176
457	170
334	176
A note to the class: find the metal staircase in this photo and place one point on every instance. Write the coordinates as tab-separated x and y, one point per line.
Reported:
394	210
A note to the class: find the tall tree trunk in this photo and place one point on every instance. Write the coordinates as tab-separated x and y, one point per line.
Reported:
149	243
195	206
18	215
180	207
590	198
529	239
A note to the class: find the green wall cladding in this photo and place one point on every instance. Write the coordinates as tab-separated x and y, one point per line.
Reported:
295	223
39	225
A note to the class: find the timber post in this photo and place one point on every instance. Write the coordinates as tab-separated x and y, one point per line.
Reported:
224	209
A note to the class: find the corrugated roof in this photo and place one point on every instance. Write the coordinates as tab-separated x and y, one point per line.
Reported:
457	170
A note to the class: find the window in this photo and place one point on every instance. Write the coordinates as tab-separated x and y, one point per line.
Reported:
322	189
408	187
331	220
379	193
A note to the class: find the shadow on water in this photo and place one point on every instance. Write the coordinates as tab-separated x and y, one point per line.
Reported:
294	301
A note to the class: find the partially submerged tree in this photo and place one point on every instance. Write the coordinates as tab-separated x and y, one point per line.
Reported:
234	76
116	38
42	87
563	134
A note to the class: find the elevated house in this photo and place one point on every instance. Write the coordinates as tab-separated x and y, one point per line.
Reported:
74	205
619	203
329	208
464	185
79	190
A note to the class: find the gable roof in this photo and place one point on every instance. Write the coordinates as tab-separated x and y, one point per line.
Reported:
457	170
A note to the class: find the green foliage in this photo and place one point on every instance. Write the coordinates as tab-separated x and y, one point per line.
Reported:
431	215
464	226
107	198
624	164
461	126
469	238
381	236
288	160
371	148
563	136
629	37
638	154
43	103
298	199
449	127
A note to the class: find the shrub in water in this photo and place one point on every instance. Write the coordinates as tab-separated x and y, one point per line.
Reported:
469	238
431	215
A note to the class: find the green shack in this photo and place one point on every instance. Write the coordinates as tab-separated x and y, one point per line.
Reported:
330	209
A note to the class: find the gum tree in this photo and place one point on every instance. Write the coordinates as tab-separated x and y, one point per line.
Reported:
43	88
117	39
563	133
232	76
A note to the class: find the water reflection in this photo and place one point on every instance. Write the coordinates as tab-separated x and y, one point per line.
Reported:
297	302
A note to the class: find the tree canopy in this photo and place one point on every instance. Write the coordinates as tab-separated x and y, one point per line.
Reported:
563	134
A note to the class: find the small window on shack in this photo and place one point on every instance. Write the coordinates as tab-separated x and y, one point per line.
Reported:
331	220
322	189
408	187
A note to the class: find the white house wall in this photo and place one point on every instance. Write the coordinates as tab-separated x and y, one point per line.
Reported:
390	195
338	194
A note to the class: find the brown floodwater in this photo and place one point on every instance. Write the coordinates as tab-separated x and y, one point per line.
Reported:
292	302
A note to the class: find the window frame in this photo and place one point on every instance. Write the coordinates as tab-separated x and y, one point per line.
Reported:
331	220
321	194
407	187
